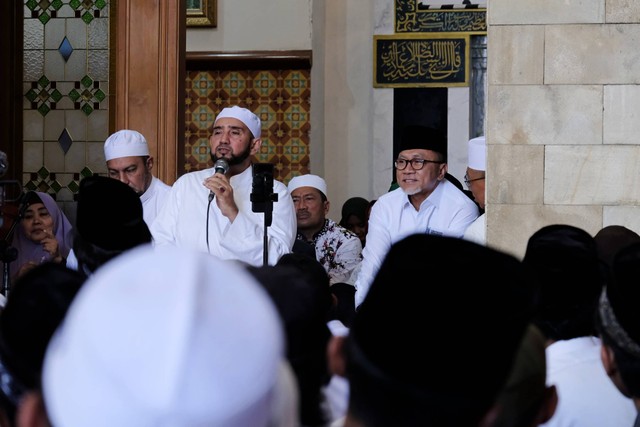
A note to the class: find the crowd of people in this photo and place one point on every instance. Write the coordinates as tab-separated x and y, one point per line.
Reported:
190	305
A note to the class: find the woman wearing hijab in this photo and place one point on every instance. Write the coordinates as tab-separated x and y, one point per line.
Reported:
43	234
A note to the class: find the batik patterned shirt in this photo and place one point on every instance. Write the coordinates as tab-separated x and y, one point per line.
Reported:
339	251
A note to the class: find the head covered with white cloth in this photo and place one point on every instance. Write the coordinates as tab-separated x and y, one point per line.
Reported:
166	338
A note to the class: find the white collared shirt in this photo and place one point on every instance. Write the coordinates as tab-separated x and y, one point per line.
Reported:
446	212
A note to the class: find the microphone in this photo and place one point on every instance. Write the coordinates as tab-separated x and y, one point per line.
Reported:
220	166
4	163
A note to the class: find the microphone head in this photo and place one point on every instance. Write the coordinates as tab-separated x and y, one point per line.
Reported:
221	166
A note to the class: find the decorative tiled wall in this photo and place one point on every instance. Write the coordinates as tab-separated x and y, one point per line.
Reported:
66	73
279	97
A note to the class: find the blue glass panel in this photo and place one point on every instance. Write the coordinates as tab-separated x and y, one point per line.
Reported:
65	141
65	49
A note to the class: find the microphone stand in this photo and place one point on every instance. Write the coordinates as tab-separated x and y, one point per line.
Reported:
262	198
268	218
8	253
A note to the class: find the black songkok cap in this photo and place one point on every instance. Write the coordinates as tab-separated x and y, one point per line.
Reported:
564	260
438	333
623	290
416	137
612	238
109	214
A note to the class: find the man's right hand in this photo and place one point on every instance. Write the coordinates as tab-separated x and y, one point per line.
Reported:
221	187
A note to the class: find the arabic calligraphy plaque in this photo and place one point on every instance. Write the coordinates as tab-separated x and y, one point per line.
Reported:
418	61
412	18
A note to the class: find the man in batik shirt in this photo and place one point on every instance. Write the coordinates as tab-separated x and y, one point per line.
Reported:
338	249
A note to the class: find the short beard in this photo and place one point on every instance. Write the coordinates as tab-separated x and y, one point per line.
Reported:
234	160
411	192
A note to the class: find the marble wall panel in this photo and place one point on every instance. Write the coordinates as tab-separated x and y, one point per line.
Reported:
629	216
592	175
546	114
515	54
621	114
522	12
518	222
592	54
514	174
622	11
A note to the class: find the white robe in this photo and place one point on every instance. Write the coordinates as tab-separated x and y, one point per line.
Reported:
183	220
153	199
586	395
477	231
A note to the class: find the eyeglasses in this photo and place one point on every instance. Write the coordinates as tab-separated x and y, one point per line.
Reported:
468	181
416	164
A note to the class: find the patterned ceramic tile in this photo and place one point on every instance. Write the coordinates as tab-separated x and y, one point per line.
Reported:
279	97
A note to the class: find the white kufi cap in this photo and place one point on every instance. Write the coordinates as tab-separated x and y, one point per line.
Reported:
308	181
166	337
125	143
477	154
245	116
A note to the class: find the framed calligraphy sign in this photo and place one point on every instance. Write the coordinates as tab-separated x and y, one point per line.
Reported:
421	60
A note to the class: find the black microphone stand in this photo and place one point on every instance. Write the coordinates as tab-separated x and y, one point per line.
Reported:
262	198
265	240
8	253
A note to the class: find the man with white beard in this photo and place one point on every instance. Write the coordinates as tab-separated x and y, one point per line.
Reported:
425	202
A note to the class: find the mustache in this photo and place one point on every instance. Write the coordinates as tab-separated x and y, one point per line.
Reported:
234	160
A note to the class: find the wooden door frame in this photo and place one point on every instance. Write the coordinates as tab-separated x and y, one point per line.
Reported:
148	73
11	76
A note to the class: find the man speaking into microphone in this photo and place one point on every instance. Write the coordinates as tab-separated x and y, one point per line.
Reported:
210	210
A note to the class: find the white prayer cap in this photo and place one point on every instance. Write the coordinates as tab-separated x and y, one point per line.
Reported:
308	181
477	154
165	337
245	116
125	143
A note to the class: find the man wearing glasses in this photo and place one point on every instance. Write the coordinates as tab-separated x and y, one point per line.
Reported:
425	202
474	179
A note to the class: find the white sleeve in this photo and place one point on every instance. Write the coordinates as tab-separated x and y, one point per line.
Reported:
378	244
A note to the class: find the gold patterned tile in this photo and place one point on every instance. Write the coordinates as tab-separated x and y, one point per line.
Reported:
279	97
